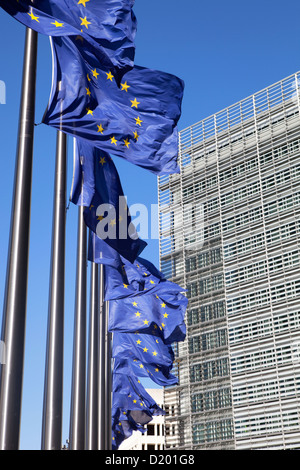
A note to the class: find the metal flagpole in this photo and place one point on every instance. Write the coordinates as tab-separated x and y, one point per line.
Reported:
92	387
53	387
102	366
78	394
108	385
14	310
105	372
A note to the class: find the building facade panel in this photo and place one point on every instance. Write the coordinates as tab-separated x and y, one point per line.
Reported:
230	235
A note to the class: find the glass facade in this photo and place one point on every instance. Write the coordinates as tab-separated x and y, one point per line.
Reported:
230	235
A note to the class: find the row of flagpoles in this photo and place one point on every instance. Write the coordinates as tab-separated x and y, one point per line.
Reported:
14	311
90	403
106	405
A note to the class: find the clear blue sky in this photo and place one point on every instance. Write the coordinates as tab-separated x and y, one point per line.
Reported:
224	51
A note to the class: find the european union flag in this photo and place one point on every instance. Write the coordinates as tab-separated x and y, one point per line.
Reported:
132	407
126	279
150	313
146	348
101	253
129	394
159	374
96	184
136	121
105	29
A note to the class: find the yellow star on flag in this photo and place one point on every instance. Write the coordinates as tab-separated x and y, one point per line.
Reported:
88	91
125	86
125	286
100	128
57	24
138	341
34	18
127	143
109	76
163	305
134	304
84	22
138	314
136	136
138	121
83	2
102	160
95	73
113	140
134	103
89	111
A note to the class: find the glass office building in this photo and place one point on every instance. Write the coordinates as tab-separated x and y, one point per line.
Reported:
230	234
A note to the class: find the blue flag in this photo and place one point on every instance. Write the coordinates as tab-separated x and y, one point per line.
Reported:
152	313
148	349
104	29
96	184
136	121
129	394
159	374
132	407
101	253
126	279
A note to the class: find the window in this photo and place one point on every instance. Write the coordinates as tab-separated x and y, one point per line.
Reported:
150	429
209	370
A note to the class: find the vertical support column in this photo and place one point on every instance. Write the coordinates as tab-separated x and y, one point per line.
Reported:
108	385
53	388
14	310
78	393
92	386
102	366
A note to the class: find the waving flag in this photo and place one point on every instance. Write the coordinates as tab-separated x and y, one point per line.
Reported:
104	29
159	374
132	407
136	121
126	279
96	184
148	349
159	315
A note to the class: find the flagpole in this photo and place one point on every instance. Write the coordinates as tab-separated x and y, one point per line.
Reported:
14	310
108	385
53	387
92	386
78	393
102	440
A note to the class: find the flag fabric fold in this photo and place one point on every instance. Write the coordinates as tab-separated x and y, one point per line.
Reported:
159	374
136	121
96	185
124	278
132	407
158	314
148	349
104	29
